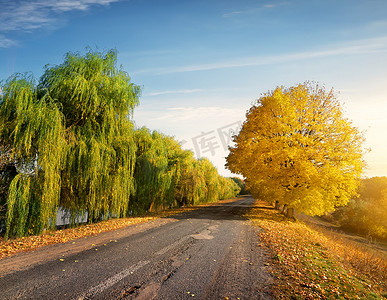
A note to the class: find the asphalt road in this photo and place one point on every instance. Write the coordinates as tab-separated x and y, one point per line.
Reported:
209	253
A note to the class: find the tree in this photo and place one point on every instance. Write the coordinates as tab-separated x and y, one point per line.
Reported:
7	173
242	185
72	136
366	214
297	148
191	187
156	170
229	188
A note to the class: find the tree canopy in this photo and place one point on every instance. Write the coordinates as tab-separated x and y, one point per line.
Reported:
297	148
73	135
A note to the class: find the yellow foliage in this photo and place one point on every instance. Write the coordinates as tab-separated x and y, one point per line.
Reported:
297	148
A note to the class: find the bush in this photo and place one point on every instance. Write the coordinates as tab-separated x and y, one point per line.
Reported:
366	214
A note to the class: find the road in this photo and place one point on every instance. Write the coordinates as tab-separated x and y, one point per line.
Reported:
209	253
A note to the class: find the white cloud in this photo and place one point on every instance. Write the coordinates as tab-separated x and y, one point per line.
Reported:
253	10
231	14
177	114
191	91
6	42
187	121
366	46
26	16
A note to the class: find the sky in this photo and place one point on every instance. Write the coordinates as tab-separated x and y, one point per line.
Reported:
201	64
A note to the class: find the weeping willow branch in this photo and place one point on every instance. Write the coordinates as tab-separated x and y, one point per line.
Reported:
73	128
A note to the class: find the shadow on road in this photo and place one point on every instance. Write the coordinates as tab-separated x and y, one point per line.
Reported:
224	210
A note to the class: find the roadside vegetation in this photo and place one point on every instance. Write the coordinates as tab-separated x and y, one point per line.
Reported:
367	213
67	140
242	184
308	263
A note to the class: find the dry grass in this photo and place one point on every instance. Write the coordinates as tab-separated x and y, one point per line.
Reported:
364	259
308	264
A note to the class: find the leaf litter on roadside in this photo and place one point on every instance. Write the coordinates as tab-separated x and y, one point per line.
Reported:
12	246
303	267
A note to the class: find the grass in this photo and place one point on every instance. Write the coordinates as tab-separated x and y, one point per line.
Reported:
365	259
310	264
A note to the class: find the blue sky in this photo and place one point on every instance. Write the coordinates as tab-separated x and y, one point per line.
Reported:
201	64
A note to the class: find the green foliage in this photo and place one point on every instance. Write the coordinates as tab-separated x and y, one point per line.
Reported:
32	126
7	173
229	189
96	99
242	184
155	173
190	188
68	141
366	214
168	176
72	134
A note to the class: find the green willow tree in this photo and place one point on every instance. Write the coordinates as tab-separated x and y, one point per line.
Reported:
212	180
228	188
72	138
153	173
168	176
32	126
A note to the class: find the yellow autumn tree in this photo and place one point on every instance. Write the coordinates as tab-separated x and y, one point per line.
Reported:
297	148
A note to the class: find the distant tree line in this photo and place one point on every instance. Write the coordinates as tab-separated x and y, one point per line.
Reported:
242	184
68	140
367	213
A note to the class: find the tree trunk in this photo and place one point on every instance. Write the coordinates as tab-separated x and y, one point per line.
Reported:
276	206
290	212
